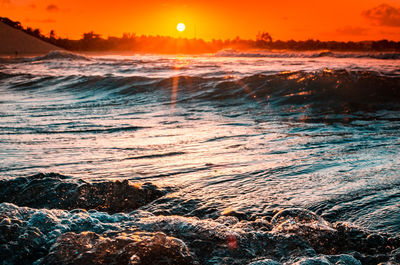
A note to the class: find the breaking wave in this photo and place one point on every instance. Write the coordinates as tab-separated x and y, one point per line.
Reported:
61	55
293	88
289	54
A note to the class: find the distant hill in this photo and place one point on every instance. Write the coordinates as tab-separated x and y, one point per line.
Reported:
13	40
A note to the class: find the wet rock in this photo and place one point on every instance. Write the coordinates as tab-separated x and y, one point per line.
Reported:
329	260
20	244
262	224
312	261
118	248
375	241
296	215
394	242
265	262
214	241
268	213
227	220
176	204
239	215
371	259
55	191
27	235
351	237
343	260
396	255
317	232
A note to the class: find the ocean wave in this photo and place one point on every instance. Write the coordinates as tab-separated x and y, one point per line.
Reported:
292	54
61	55
329	87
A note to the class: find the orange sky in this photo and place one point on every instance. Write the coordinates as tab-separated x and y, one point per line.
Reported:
283	19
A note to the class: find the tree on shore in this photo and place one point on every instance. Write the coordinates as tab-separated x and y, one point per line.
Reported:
91	35
52	35
263	39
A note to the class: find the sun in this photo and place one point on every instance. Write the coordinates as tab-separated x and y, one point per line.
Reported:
180	27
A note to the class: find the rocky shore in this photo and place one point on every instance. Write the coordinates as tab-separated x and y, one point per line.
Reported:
54	219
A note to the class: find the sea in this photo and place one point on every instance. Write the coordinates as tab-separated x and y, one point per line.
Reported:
252	157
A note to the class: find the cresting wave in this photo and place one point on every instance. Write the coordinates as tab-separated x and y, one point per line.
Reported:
327	86
289	54
60	55
285	236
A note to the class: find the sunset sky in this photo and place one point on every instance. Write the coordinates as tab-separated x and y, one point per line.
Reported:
290	19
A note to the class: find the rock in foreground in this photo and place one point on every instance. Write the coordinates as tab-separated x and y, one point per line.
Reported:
118	248
295	236
55	191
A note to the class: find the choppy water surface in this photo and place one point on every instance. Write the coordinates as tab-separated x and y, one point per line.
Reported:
248	134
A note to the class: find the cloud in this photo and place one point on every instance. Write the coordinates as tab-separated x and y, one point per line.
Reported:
352	31
52	8
384	14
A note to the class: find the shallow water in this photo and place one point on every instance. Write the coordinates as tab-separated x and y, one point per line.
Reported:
227	132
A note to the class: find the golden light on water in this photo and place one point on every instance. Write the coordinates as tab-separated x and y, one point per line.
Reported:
179	63
180	27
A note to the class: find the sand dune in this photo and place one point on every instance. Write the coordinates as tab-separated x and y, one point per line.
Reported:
13	40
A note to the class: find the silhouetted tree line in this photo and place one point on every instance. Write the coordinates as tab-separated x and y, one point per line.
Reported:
91	41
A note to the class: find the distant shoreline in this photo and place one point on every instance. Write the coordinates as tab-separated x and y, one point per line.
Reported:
16	40
227	53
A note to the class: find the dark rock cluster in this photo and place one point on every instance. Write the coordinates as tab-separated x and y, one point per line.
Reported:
55	191
118	248
78	236
20	244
